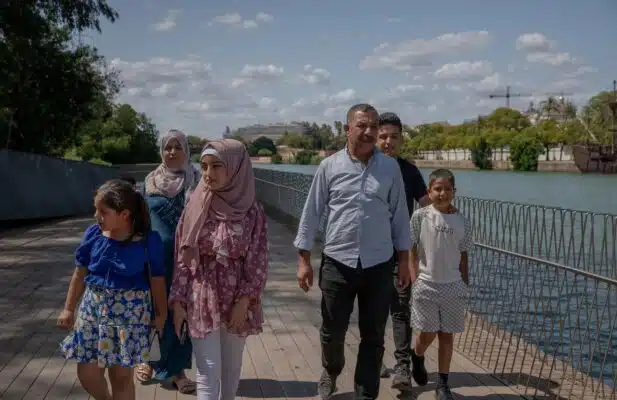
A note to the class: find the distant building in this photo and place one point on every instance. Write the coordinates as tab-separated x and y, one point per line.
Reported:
271	131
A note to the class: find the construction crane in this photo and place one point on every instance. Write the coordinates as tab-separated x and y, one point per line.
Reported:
507	95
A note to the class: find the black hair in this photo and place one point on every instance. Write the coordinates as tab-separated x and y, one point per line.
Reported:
441	173
129	179
362	107
119	195
390	118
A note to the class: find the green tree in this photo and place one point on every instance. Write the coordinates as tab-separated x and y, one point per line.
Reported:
261	142
48	88
508	119
481	155
598	116
196	143
124	138
524	152
276	159
304	157
338	125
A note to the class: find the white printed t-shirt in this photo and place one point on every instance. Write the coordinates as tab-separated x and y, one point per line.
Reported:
440	238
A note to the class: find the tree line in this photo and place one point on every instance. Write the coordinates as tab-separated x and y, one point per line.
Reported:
555	123
57	95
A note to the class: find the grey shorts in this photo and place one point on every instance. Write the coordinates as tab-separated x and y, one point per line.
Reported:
439	307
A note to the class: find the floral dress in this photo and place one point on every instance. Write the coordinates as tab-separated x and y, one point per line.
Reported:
233	263
113	321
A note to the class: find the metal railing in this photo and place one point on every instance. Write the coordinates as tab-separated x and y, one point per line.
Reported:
581	239
545	327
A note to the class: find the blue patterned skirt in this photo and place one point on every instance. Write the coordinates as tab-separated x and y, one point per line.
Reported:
112	327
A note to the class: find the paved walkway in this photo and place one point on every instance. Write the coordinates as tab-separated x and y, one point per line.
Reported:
282	363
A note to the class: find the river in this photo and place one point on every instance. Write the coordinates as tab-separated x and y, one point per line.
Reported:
587	192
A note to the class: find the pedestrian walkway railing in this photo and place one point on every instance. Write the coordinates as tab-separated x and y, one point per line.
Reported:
581	239
535	321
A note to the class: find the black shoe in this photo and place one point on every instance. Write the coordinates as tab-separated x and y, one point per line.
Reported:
443	392
384	372
419	370
402	378
326	386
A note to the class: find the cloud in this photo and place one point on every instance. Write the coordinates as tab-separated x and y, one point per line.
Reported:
169	22
580	71
403	91
539	50
258	73
263	17
315	76
184	93
160	70
236	20
227	19
333	105
405	55
534	43
464	70
554	59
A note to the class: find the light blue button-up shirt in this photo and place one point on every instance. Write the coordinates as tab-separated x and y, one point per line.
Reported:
367	210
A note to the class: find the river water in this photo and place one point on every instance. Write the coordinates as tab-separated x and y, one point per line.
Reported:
587	192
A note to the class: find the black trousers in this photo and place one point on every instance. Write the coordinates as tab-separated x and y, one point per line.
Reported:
400	312
340	285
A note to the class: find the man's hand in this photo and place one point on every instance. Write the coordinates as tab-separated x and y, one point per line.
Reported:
404	274
305	271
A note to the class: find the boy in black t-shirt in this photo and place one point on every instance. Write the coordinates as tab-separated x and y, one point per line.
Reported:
389	140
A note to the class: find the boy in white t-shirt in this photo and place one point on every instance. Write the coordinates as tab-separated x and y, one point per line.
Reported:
440	291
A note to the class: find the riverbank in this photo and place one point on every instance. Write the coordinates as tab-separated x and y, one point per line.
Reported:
543	166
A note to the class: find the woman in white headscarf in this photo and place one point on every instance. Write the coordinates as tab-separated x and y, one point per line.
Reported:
167	190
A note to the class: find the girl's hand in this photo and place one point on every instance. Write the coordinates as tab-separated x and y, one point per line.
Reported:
179	318
66	320
239	313
159	323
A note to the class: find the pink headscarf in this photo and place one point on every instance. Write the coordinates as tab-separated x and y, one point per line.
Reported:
228	204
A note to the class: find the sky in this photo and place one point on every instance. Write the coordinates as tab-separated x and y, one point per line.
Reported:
200	66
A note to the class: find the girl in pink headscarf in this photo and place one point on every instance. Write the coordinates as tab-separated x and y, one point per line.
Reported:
221	268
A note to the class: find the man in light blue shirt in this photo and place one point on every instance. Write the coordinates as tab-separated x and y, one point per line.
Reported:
362	189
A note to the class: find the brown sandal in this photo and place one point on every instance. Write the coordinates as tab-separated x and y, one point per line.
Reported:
184	385
144	373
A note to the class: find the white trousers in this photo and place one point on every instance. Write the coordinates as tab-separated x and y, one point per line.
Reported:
219	364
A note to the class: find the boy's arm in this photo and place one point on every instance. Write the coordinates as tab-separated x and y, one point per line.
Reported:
464	267
464	248
415	225
415	264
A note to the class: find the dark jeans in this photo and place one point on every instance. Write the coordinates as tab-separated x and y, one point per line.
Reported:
340	285
400	311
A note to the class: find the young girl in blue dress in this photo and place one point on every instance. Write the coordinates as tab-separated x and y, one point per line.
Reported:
119	274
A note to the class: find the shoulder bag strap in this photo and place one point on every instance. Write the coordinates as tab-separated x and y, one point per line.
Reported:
149	273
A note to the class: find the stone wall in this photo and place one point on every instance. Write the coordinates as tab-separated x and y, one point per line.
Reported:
460	164
36	186
137	171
